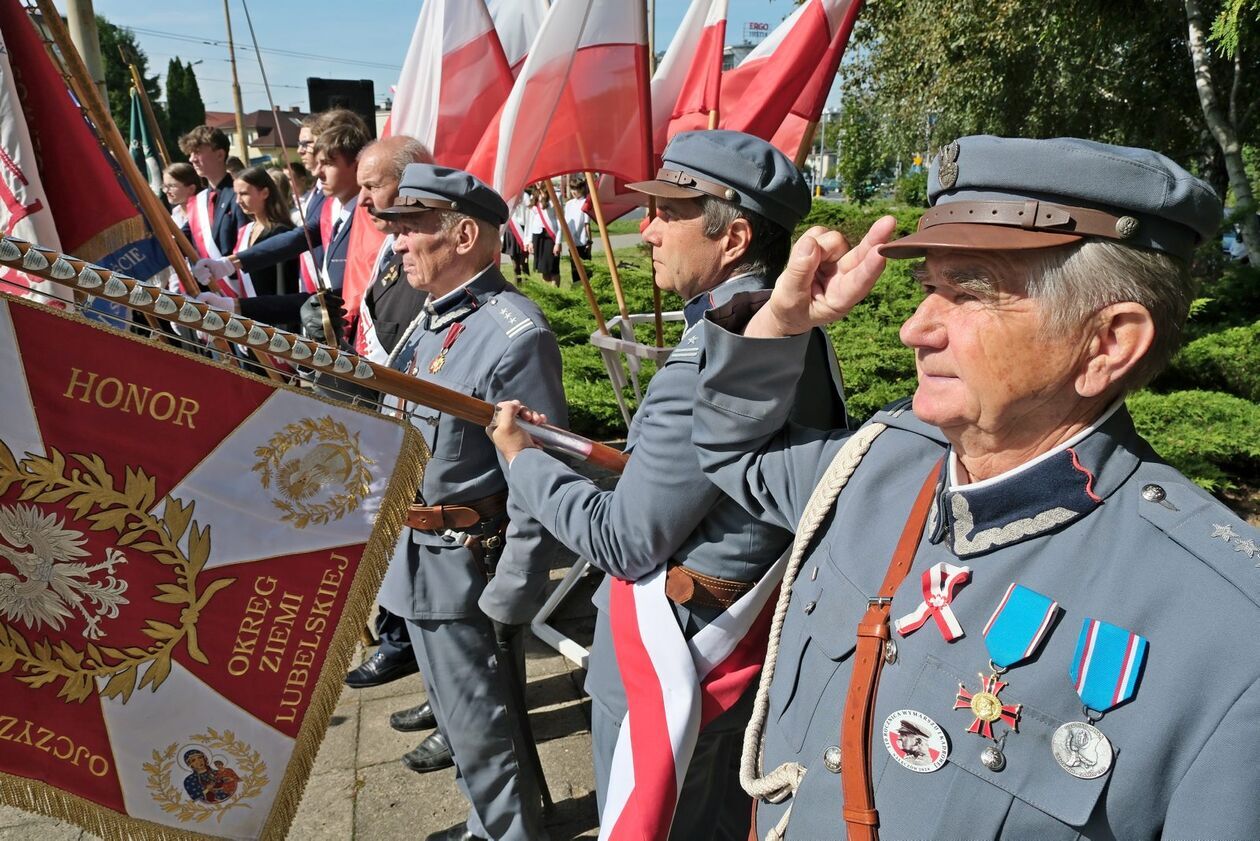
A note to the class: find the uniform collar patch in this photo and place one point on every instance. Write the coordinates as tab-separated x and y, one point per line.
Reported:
457	304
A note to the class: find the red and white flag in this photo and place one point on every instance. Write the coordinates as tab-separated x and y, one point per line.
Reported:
689	78
809	105
517	22
454	79
767	85
579	103
674	687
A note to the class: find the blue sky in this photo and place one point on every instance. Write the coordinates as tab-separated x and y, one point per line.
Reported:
361	39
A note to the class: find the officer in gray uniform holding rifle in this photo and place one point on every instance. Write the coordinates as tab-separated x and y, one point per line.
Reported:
482	338
1015	621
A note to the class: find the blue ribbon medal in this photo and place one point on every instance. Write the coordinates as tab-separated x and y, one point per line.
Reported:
1104	672
1013	633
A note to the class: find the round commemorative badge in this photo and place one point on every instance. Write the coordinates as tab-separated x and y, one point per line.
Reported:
915	741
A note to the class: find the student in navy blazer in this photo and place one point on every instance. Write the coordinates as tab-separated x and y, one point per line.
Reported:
207	151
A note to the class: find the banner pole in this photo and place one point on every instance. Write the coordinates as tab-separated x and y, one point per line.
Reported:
608	254
573	255
131	293
138	82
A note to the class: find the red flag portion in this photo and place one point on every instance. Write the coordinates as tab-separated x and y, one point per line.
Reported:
454	79
580	102
688	80
361	254
517	22
187	555
73	199
809	105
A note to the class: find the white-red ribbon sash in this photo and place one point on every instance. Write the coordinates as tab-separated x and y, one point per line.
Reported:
201	223
674	687
366	343
939	583
240	285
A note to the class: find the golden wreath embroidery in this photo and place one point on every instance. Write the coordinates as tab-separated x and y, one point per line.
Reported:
89	491
211	774
334	468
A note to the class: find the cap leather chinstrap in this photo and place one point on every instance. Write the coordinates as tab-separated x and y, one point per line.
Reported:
426	187
732	166
999	193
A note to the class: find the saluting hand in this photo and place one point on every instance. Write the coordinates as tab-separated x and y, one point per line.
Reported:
823	280
506	433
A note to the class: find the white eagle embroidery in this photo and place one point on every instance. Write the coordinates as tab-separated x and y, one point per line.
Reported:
50	584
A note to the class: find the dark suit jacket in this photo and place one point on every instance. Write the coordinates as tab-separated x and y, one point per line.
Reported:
292	243
266	279
392	302
228	217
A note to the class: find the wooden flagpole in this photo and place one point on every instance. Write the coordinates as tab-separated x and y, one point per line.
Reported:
138	82
649	26
658	317
159	220
608	254
574	256
131	293
807	143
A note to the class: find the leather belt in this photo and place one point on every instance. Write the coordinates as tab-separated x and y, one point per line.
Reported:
1033	215
456	517
686	586
857	724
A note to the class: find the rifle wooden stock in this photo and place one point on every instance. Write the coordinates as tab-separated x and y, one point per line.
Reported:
180	309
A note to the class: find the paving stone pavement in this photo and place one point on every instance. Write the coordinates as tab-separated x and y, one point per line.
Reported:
359	789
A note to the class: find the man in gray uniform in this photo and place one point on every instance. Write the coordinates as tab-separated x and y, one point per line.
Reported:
727	204
1072	619
483	338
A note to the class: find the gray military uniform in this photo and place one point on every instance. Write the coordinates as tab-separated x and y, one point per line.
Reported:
664	510
1105	528
503	349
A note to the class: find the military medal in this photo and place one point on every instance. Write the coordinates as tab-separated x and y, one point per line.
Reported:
940	582
451	335
1104	672
1013	634
915	741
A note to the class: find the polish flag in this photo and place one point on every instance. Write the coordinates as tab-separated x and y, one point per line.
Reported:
809	105
580	102
766	86
689	78
454	79
517	22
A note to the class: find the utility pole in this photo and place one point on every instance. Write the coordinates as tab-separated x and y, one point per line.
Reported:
242	147
81	21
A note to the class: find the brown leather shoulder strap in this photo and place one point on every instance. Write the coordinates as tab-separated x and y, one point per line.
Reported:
860	816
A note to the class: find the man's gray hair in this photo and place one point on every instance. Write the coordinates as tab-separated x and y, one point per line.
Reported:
486	231
1074	283
407	150
767	253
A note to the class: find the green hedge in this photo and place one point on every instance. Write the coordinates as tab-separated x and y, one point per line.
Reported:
1201	415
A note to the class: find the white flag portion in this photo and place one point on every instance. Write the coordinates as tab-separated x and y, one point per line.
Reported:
689	78
517	22
454	79
579	103
24	211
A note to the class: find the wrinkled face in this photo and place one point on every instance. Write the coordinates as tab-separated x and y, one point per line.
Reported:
988	363
251	199
686	261
177	193
210	163
378	185
338	173
306	148
428	253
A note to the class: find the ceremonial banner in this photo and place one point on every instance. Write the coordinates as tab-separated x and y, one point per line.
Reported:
580	102
689	77
142	148
187	554
70	192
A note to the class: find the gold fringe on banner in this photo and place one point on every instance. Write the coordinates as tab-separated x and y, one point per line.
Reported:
100	246
41	798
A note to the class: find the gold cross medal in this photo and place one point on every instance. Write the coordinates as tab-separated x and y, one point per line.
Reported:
1013	633
451	335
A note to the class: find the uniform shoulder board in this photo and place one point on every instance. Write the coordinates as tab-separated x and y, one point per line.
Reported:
899	415
1201	525
510	316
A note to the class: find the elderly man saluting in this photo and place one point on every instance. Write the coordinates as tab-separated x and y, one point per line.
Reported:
1009	569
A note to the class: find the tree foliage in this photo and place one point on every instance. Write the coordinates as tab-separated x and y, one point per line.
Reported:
858	160
115	43
183	99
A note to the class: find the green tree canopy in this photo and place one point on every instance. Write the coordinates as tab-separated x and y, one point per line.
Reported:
183	100
118	76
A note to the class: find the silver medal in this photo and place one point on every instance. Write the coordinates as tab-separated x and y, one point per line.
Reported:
1082	750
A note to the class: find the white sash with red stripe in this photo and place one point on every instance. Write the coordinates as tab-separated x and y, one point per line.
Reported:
201	223
674	687
365	343
240	285
306	261
542	217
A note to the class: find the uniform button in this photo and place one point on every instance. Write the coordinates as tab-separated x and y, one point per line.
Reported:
890	652
492	300
992	758
831	759
813	574
809	607
1153	493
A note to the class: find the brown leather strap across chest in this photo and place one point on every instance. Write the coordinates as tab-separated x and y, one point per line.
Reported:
465	515
857	724
686	586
